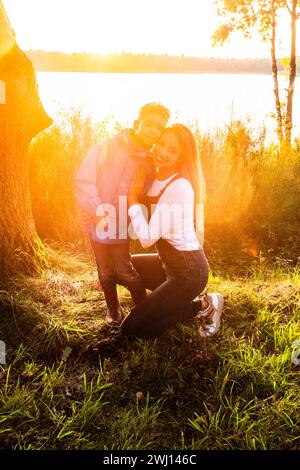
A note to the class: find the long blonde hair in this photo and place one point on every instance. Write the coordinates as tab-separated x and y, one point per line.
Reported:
190	164
190	168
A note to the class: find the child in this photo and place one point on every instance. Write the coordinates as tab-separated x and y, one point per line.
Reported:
101	185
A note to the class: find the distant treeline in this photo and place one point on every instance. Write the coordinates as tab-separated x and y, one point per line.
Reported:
126	62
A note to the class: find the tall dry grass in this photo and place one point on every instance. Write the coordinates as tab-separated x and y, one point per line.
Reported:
253	200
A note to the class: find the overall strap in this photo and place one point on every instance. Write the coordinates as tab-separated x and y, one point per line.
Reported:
149	201
175	177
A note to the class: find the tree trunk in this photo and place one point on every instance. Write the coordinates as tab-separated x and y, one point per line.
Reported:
22	116
290	92
275	76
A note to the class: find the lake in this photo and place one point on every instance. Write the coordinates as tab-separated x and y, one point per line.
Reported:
210	99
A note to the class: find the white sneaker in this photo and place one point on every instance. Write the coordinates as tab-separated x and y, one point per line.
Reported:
211	317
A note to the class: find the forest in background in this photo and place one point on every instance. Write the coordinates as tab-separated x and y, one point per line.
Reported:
134	63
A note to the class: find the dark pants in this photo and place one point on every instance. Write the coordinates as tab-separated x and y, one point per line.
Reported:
175	278
114	266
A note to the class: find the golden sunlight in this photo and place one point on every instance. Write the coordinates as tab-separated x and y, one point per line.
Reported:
172	27
7	37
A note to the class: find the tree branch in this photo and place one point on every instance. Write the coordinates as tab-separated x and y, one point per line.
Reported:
287	6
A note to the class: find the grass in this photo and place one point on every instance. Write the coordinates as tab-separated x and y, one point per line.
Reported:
73	382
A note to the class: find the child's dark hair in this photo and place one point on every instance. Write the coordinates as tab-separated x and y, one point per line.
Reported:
154	108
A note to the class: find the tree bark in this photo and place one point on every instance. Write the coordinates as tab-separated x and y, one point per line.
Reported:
22	116
292	75
275	76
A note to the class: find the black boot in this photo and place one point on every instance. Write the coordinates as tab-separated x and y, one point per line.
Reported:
114	312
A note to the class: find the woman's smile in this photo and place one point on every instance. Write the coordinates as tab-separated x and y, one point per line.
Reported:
167	151
160	159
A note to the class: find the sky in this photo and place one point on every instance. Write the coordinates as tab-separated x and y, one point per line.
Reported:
172	27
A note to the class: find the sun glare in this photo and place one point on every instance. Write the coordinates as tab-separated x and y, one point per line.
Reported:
172	27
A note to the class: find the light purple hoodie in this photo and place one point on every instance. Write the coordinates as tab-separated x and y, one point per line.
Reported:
106	173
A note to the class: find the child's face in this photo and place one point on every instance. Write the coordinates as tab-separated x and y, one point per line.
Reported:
167	151
150	127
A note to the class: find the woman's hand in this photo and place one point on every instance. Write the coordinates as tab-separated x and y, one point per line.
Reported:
137	186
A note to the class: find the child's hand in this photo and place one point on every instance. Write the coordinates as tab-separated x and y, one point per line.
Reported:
137	186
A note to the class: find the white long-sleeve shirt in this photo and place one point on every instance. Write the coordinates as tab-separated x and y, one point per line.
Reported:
172	219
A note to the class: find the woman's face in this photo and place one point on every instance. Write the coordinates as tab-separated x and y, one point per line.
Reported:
167	151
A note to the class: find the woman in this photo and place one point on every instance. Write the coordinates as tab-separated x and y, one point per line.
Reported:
179	272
